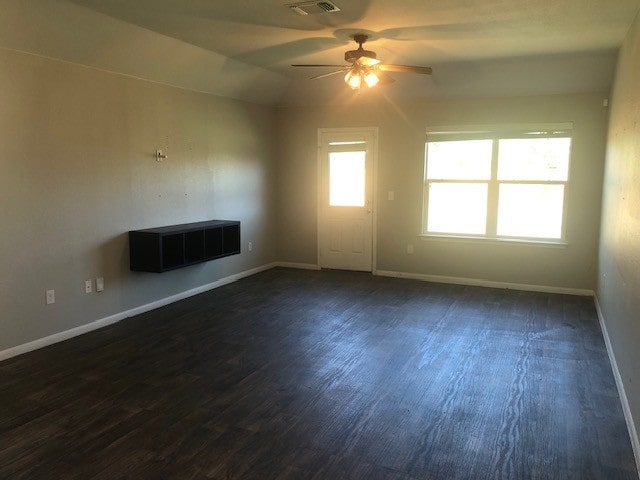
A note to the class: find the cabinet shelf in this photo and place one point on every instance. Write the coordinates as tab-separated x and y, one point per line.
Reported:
175	246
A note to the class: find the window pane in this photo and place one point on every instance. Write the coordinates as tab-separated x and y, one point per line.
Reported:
346	179
459	160
530	211
457	208
533	159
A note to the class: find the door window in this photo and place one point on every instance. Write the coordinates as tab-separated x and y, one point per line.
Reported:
347	179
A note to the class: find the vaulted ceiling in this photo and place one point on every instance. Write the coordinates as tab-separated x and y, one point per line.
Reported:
476	47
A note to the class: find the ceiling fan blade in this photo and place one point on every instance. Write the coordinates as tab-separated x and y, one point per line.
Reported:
287	52
384	78
310	65
405	69
329	74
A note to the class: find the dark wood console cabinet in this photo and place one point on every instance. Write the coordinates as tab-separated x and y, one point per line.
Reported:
167	248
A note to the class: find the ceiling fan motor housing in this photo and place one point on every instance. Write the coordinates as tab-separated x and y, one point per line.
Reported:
353	55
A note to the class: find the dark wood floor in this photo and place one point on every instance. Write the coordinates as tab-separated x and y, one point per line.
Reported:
328	375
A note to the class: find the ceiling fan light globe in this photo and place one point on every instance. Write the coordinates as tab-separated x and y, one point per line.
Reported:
371	79
353	79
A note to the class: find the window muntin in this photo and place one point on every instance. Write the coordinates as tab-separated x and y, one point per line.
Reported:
517	194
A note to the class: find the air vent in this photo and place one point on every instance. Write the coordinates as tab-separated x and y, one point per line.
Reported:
311	8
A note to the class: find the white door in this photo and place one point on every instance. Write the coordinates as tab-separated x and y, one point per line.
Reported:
346	219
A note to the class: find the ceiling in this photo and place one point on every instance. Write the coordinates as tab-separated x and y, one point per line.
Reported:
268	34
476	47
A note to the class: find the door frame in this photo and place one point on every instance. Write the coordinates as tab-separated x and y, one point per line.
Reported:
373	131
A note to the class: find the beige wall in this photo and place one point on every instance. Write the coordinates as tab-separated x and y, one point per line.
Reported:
619	280
77	172
400	169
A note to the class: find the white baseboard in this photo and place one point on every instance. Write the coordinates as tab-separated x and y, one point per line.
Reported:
302	266
61	336
626	408
485	283
103	322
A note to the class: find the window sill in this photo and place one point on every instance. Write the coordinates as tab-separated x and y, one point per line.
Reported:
495	241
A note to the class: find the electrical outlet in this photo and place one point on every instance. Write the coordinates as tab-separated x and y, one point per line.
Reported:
99	284
88	286
410	249
51	296
250	246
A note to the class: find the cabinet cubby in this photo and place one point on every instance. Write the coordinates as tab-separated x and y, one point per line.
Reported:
174	246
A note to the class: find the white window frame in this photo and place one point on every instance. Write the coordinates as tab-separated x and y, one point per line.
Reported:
495	133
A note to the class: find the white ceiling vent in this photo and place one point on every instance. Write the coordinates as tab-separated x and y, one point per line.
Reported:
310	8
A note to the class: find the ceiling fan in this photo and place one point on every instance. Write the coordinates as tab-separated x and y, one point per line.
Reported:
363	67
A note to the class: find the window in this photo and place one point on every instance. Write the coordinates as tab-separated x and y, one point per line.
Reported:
496	182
